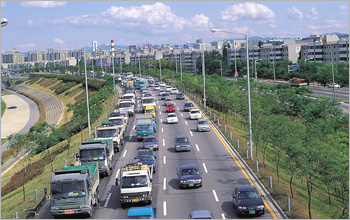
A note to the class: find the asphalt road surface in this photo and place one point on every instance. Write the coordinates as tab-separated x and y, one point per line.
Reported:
340	94
220	175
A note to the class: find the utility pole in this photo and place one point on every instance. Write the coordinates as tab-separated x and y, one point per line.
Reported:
87	97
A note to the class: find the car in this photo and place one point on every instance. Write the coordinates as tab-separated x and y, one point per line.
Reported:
161	92
172	118
12	107
203	125
335	85
247	200
150	142
157	83
165	95
145	212
168	100
180	96
168	88
174	91
162	84
188	106
189	176
147	156
201	214
156	87
170	107
182	143
147	95
195	114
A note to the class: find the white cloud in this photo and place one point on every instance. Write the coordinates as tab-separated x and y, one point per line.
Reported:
3	3
59	41
344	9
294	13
30	22
44	4
26	47
336	25
313	14
248	11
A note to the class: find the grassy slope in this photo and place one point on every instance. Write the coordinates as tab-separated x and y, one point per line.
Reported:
14	200
3	107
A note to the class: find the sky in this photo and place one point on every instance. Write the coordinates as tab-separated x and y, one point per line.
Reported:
70	25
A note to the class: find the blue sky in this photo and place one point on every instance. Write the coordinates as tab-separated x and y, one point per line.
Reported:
68	25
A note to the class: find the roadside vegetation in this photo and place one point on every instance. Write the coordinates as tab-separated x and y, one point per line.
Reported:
48	147
3	107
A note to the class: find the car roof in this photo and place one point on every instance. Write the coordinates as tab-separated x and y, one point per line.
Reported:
202	119
181	136
150	137
246	188
195	110
201	214
187	166
171	114
170	103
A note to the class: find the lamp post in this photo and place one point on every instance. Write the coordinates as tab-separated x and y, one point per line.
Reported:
220	66
120	63
203	71
87	96
113	76
273	64
140	65
181	68
3	24
176	65
332	71
256	73
248	88
235	59
160	69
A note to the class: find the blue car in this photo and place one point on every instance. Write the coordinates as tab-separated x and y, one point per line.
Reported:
189	176
150	142
146	212
147	157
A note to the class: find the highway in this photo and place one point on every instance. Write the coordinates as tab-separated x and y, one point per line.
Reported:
220	175
339	94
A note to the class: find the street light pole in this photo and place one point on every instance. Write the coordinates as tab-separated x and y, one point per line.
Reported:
113	75
235	60
120	63
248	85
256	73
176	65
181	67
140	65
160	69
3	24
87	96
332	72
203	71
273	64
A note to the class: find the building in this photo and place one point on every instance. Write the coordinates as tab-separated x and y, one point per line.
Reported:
13	56
94	46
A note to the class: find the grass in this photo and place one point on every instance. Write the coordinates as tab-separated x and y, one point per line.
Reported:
320	208
3	107
3	140
14	200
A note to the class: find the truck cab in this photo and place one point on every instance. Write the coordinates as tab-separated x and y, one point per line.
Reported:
148	101
145	126
109	131
127	106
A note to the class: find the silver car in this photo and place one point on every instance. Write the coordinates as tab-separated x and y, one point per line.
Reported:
202	125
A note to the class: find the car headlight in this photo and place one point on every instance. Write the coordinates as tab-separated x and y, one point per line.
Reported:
198	181
260	207
242	207
52	207
124	197
183	181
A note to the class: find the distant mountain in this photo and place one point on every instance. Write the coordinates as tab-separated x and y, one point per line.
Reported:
337	33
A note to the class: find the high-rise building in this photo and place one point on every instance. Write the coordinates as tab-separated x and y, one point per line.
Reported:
94	46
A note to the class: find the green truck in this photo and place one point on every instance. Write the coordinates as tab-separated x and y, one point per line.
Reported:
97	151
74	190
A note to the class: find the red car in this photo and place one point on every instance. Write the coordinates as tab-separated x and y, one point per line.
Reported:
170	107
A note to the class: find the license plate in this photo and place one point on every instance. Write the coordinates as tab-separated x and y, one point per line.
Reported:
190	184
135	200
251	211
70	211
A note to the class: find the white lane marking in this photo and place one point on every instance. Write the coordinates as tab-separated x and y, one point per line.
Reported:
161	120
181	114
163	143
108	197
162	130
205	168
164	160
197	147
216	197
160	112
164	184
178	108
130	137
186	122
116	176
191	133
164	208
125	153
158	106
134	127
223	216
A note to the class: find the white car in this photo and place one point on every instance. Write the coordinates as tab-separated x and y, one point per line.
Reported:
174	91
156	87
162	84
172	118
161	91
195	114
335	85
168	88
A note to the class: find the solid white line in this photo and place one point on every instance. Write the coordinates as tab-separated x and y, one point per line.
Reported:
160	112
125	153
134	127
197	147
216	197
191	133
164	160
164	208
108	197
163	143
116	176
223	216
164	184
158	106
186	122
161	120
130	137
178	108
162	130
181	114
205	168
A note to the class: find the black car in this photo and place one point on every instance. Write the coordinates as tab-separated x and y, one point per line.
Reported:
180	96
248	201
188	106
189	176
182	143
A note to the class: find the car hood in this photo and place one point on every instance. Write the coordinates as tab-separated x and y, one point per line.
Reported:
190	177
151	143
184	143
250	202
203	126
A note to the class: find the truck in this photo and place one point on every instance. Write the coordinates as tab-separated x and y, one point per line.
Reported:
135	183
109	130
146	212
127	106
145	125
130	83
97	151
120	121
148	101
297	82
74	190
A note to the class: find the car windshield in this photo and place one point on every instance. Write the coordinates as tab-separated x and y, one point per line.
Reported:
106	133
149	110
146	157
181	140
150	140
144	127
147	95
248	195
147	101
189	105
171	116
202	122
126	104
165	94
65	189
170	105
190	171
90	154
194	112
134	181
128	97
117	121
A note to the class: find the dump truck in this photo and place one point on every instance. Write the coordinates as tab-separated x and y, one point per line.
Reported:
97	151
135	183
109	130
74	190
297	82
145	125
